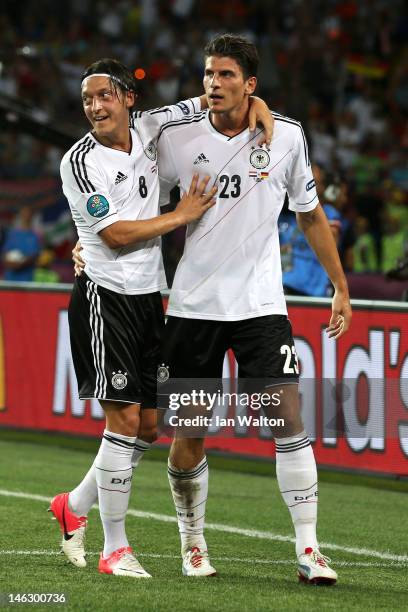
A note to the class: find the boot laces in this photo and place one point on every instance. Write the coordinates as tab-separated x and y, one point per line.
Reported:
320	559
197	557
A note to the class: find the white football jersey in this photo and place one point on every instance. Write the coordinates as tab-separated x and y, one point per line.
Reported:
104	185
231	267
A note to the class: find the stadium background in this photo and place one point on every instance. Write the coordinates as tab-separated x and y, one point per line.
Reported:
340	67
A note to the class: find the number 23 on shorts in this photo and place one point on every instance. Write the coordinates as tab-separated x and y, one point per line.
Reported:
291	366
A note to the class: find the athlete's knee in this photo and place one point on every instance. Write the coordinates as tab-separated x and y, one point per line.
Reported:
289	418
124	421
291	427
186	453
129	424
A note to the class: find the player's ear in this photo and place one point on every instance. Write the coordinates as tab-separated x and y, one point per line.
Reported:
250	85
130	99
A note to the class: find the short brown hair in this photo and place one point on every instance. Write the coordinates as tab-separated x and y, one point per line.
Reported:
238	48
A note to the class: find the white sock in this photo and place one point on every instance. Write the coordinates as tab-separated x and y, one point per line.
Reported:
82	498
190	489
114	478
140	448
85	495
297	480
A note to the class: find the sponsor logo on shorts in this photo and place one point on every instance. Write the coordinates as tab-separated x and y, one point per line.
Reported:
163	373
259	159
97	205
310	185
119	380
151	151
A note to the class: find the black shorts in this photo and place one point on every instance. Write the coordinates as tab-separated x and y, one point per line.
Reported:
263	347
115	343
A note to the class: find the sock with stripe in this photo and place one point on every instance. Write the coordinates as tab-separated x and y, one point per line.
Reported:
297	479
140	448
85	495
190	490
114	470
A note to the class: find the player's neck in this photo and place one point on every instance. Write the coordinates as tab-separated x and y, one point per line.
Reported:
119	141
231	122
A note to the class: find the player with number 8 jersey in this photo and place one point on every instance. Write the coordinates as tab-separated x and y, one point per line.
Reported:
116	314
103	185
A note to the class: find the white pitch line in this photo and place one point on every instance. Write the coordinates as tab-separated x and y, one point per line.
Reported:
54	553
250	533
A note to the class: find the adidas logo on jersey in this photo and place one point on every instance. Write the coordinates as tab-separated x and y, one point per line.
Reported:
120	177
201	159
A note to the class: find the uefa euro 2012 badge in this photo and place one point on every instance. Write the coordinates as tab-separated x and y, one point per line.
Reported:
97	205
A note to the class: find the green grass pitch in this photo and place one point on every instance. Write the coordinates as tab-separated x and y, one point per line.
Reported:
256	569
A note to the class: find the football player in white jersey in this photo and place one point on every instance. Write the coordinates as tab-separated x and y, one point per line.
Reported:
115	315
227	291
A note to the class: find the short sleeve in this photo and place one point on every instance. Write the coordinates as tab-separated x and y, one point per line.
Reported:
301	184
87	193
172	112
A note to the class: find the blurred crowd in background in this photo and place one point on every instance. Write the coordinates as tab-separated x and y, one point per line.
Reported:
338	66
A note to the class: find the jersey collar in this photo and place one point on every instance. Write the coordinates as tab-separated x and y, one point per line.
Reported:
230	139
132	149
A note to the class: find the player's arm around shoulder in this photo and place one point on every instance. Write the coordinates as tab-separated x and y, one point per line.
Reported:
316	228
259	113
172	112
